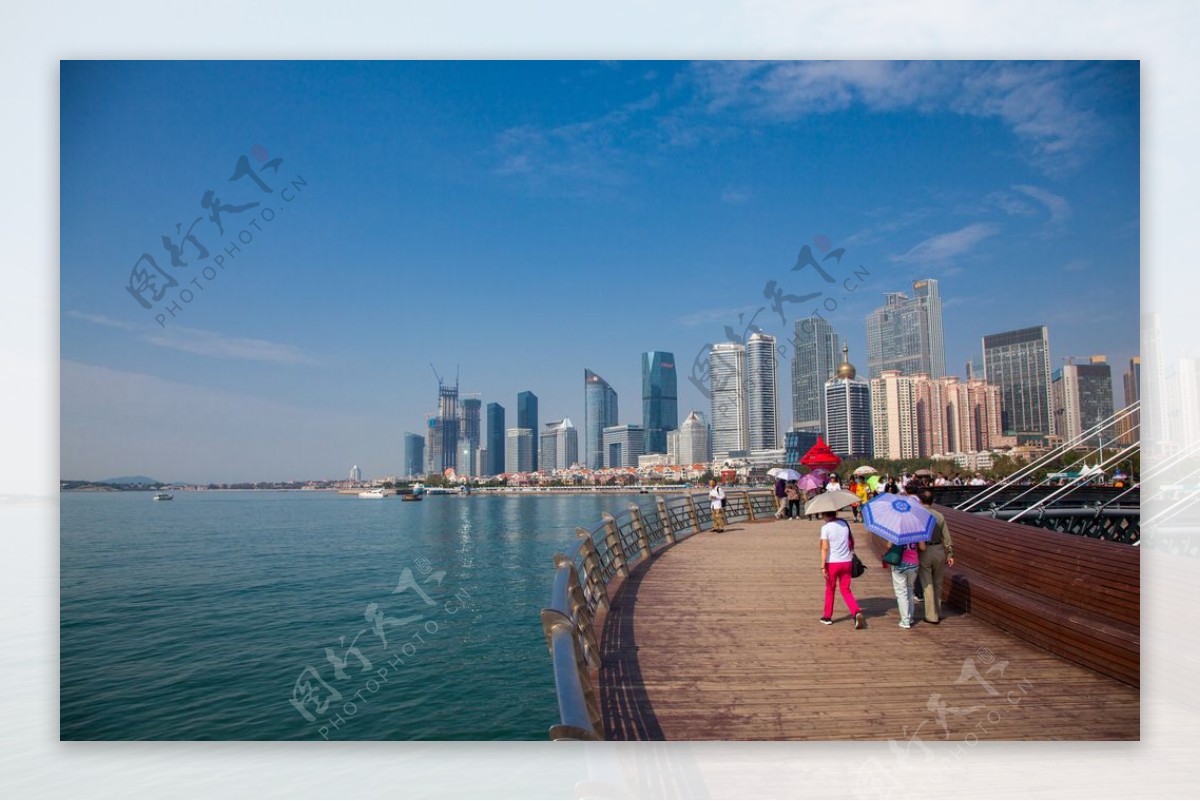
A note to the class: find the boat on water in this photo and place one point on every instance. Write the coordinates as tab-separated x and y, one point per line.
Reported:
374	493
410	497
163	496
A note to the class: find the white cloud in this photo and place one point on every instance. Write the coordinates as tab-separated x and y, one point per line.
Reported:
1038	101
206	343
209	343
942	248
735	197
1056	205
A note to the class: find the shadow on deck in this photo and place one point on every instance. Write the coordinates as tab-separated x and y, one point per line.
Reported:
718	638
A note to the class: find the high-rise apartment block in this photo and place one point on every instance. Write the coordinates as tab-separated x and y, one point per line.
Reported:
729	415
1018	362
1129	427
599	412
894	416
762	391
816	355
905	334
660	399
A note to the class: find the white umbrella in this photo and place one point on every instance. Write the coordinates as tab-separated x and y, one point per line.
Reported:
865	470
830	502
785	473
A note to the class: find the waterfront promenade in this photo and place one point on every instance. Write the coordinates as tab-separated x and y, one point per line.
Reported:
718	638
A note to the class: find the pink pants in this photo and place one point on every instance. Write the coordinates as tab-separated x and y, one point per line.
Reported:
839	574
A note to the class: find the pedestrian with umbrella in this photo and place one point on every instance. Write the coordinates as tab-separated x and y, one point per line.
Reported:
837	553
907	525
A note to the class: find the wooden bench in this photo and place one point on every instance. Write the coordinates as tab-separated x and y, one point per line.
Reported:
1076	597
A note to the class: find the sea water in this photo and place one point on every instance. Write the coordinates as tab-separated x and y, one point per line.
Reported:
309	615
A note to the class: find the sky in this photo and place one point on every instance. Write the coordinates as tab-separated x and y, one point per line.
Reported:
517	222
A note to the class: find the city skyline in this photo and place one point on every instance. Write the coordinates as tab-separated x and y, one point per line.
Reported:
588	178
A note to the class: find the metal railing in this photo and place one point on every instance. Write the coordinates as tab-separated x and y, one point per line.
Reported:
580	592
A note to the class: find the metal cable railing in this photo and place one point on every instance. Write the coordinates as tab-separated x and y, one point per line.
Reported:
580	591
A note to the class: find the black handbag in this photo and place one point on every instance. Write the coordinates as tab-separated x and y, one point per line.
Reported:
857	568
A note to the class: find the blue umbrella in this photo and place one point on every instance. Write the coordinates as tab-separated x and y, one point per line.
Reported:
899	519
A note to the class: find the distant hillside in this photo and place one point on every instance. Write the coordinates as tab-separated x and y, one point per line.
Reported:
146	480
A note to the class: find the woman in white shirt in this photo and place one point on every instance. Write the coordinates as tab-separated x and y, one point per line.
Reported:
837	546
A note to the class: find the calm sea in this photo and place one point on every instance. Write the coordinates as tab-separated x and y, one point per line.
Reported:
205	617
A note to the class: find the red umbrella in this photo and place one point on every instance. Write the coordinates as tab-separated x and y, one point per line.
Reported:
819	456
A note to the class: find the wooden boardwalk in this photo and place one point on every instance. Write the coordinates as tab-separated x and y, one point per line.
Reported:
718	638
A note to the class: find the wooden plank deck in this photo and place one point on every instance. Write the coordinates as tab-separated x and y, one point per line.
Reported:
718	638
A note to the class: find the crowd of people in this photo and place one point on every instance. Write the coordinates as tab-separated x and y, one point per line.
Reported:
917	570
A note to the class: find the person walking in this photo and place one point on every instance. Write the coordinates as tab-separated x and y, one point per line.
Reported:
780	498
716	496
937	556
793	501
904	576
837	548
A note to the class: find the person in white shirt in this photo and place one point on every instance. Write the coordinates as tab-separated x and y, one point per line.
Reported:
837	548
716	496
833	484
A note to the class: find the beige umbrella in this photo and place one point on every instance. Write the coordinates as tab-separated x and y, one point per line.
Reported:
865	470
830	502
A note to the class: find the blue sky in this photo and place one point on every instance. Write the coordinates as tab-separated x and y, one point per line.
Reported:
525	220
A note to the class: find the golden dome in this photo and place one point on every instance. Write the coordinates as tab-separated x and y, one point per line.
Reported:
846	370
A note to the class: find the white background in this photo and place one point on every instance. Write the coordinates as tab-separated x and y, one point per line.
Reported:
33	38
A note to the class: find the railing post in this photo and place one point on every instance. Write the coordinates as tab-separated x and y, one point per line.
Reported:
591	568
612	538
668	529
639	528
749	506
694	514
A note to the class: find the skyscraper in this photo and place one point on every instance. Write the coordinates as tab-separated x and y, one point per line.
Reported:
660	404
905	334
444	453
815	358
559	445
355	475
1019	363
692	445
470	428
762	392
496	446
848	409
599	412
623	445
730	417
527	416
1082	395
518	451
414	455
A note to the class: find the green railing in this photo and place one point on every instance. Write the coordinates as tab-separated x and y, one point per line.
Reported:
581	590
